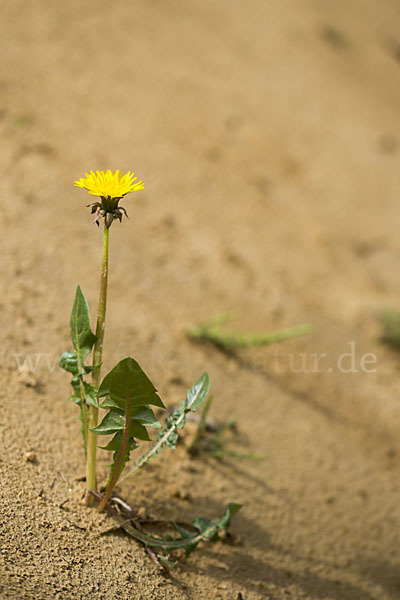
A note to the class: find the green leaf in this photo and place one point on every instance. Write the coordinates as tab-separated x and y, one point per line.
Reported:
74	362
69	362
207	531
81	335
137	430
115	445
83	392
231	509
83	389
145	416
198	393
132	445
115	421
128	380
169	441
127	393
111	423
108	403
116	441
168	436
90	394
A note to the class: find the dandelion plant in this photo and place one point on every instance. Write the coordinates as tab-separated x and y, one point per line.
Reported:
110	188
125	393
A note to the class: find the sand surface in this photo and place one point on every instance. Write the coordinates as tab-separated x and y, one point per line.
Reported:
268	137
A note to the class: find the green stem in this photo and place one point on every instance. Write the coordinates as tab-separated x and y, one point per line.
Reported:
119	465
97	358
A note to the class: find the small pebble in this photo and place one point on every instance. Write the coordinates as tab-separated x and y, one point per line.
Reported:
30	457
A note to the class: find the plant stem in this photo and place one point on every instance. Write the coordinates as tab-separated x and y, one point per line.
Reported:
121	456
97	357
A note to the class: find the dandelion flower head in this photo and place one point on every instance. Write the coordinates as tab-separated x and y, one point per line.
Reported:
109	184
110	187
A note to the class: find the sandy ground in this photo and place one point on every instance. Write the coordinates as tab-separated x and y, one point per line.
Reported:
268	137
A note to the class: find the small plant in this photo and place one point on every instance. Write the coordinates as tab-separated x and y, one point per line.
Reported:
110	188
390	321
212	332
126	393
189	534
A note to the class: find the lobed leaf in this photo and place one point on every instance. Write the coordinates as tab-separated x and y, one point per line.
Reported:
146	416
115	421
84	389
128	380
210	528
139	431
115	444
207	531
127	393
168	436
112	422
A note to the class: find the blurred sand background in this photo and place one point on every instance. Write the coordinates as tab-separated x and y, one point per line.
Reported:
268	137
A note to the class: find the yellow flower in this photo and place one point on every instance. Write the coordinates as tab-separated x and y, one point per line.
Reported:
109	185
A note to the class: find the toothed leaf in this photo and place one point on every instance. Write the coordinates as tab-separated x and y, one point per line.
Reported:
146	416
84	389
111	405
137	430
168	436
116	445
207	531
127	381
112	422
127	392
